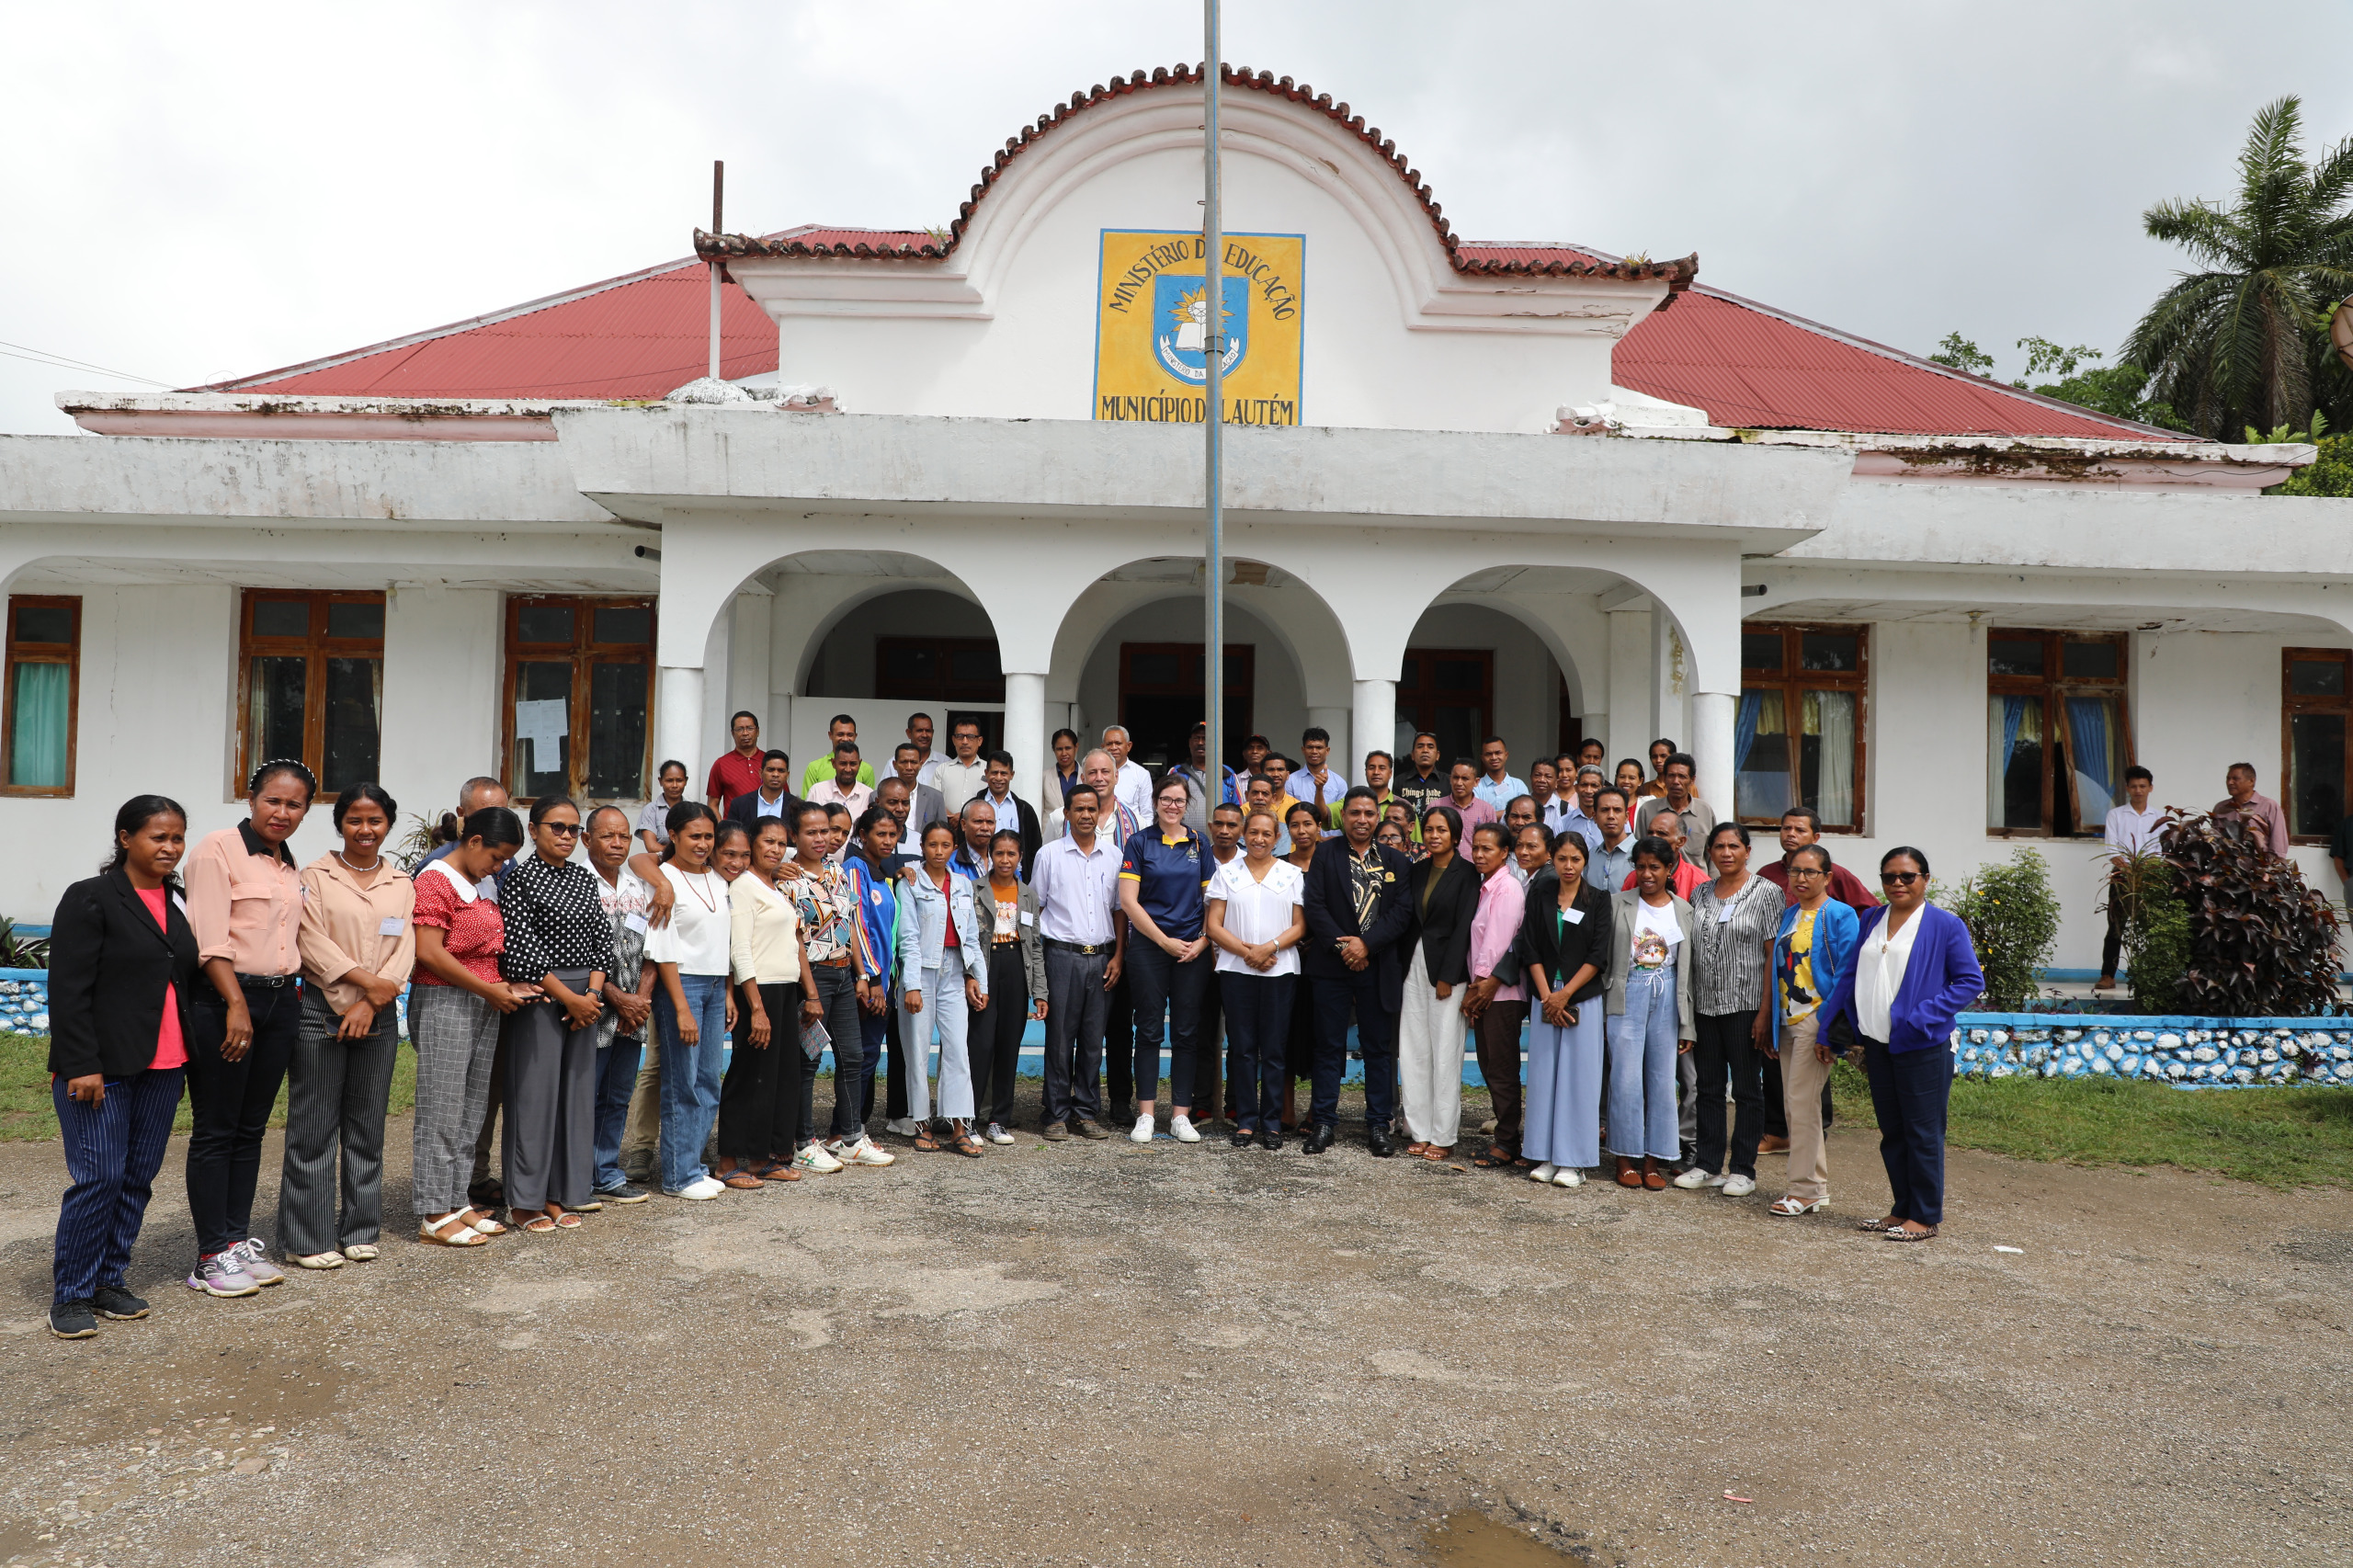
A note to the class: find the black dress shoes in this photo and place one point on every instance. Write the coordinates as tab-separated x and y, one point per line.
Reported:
1377	1139
1317	1141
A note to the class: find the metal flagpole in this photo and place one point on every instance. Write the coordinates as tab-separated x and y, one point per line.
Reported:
718	195
1213	413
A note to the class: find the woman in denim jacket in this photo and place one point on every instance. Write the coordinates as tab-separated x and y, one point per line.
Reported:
943	977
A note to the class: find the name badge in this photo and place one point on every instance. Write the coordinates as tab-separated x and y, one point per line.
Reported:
1027	918
1573	916
635	922
392	926
1723	915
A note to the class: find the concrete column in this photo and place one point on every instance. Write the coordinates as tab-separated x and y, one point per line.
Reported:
1712	749
1025	732
1669	682
1373	726
678	723
1336	721
1631	695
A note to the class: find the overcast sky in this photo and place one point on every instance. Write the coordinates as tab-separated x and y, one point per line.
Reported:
192	193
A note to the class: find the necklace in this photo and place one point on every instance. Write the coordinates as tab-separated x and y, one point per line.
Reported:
374	865
709	903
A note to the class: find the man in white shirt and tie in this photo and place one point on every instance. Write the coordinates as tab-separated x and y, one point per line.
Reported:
1084	936
2132	830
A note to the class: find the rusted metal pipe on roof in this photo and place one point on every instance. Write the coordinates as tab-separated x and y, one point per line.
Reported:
718	210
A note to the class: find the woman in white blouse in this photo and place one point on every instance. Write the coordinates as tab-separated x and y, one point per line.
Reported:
690	1005
1649	1015
1256	919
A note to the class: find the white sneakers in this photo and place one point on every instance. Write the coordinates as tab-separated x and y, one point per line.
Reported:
903	1126
1542	1173
1739	1185
1695	1178
865	1152
1181	1129
703	1188
1568	1175
998	1134
1142	1132
813	1157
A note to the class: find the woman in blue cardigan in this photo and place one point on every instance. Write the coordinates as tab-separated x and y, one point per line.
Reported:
1914	969
1812	952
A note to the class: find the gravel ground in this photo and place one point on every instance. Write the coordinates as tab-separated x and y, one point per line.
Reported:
1112	1354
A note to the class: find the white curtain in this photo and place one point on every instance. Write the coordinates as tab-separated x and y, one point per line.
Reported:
1833	719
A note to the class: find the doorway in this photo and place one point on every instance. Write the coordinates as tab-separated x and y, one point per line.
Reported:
1160	697
1451	692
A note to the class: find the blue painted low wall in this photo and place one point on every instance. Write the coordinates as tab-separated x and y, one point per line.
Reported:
2186	1052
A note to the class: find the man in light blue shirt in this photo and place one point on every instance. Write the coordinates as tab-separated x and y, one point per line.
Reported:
1574	810
1497	786
1612	858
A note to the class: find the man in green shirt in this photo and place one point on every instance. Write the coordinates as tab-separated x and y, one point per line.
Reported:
844	729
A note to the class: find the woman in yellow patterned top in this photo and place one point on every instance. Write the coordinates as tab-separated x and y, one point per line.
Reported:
1811	951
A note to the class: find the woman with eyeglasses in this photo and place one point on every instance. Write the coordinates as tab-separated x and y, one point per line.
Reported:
1914	968
557	938
1812	949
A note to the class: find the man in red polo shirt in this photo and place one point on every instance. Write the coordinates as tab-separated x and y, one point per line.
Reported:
737	774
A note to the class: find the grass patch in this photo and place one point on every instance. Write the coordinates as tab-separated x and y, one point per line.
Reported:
28	1114
2276	1138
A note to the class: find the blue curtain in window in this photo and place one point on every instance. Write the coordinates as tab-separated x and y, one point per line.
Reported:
2013	715
2092	730
1744	727
37	748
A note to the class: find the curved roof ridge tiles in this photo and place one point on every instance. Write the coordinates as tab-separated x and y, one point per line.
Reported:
936	245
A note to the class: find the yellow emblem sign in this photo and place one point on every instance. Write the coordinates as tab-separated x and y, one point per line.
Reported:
1152	321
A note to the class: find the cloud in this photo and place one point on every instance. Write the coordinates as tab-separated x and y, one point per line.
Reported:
193	195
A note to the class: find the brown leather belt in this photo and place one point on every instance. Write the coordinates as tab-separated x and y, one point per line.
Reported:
841	962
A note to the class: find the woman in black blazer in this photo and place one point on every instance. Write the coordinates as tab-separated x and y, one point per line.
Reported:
1442	891
122	961
1564	946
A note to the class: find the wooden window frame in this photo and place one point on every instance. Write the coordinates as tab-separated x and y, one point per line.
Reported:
2292	703
1793	681
584	651
68	653
1422	694
317	647
2053	687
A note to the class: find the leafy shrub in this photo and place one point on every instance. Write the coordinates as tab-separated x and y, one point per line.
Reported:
2156	931
2013	920
2262	945
21	953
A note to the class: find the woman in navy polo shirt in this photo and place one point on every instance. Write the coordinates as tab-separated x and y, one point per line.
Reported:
1160	879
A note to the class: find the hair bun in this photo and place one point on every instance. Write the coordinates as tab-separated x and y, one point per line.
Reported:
445	830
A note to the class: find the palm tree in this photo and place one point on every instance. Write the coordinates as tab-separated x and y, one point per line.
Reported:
2243	342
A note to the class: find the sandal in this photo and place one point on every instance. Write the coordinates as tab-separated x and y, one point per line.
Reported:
777	1170
449	1231
741	1180
1431	1152
566	1220
927	1140
538	1224
1496	1158
966	1145
1898	1233
487	1222
1791	1206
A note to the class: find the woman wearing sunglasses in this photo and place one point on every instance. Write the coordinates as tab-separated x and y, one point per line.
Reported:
1914	969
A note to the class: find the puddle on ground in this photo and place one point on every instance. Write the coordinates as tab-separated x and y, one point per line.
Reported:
1474	1540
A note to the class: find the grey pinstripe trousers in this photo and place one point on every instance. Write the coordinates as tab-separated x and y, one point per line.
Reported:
457	1040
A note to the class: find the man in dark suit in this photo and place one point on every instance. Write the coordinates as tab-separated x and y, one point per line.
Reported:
1359	925
774	797
925	805
1012	812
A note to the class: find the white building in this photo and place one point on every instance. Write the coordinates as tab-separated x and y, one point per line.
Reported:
1529	489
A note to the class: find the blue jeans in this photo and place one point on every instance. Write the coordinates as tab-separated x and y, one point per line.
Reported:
112	1151
873	1030
1644	1117
690	1076
616	1081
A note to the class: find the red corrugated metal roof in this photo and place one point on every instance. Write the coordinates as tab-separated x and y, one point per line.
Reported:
1748	365
636	336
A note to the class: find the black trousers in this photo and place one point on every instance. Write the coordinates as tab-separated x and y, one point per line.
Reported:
230	1102
1911	1092
2112	947
1498	1034
895	1089
763	1097
1166	994
1721	1049
1359	992
1257	1027
1209	1060
994	1035
836	992
1075	1003
1119	1043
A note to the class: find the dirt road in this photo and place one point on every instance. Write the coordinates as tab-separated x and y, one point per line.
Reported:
1118	1354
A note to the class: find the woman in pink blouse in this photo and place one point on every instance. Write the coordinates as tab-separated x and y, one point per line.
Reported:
1494	1002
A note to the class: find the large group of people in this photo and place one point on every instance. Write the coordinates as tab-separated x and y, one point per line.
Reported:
603	1003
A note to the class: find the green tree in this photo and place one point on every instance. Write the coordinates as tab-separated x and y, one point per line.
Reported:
2118	391
2331	473
2243	341
1963	356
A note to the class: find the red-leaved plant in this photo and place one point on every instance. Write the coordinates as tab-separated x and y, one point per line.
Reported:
2262	945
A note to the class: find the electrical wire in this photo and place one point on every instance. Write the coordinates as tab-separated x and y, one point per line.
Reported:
61	362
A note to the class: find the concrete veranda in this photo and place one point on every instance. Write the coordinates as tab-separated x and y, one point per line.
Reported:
1106	1353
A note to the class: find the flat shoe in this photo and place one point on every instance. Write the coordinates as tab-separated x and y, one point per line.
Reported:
1898	1233
742	1181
